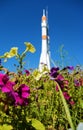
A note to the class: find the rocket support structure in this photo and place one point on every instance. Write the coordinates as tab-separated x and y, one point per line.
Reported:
45	53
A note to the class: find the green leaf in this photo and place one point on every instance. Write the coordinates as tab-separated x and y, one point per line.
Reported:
81	103
37	125
6	127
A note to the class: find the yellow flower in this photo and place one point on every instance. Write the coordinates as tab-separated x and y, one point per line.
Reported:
7	55
10	54
29	47
13	51
36	74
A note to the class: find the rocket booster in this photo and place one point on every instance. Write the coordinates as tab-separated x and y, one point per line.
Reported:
44	58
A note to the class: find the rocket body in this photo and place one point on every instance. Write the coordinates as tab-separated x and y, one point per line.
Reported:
45	54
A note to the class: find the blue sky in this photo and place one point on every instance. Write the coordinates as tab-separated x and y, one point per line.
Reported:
20	21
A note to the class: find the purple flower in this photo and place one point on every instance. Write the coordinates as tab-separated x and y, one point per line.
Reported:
70	67
53	69
53	72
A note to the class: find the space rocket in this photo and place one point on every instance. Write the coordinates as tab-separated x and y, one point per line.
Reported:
45	53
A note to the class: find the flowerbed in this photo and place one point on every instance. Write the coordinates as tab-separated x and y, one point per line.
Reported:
34	100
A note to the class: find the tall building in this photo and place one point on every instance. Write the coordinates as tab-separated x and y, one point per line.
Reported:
45	53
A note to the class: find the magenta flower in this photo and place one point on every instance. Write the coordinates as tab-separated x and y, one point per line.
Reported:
56	88
27	72
18	98
72	103
21	98
60	77
66	95
8	87
61	81
15	98
24	91
3	79
5	84
66	83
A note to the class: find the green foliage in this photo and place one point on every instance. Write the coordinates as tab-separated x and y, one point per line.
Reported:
6	127
37	125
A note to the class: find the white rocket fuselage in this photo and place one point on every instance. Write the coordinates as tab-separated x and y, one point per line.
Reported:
44	58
